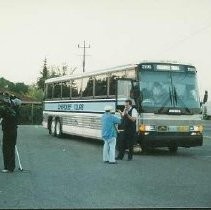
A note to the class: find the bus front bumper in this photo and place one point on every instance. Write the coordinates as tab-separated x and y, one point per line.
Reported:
171	139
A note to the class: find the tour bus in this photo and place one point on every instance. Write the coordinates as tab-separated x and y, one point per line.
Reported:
165	94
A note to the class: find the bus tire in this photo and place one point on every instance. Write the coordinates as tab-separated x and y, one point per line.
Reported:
144	148
52	128
173	149
58	129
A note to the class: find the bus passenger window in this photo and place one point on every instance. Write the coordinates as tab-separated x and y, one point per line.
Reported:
87	87
112	85
101	85
57	90
49	91
66	90
112	81
76	88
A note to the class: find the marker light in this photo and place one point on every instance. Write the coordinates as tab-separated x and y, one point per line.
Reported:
144	128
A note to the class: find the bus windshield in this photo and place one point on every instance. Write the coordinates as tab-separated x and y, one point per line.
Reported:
163	91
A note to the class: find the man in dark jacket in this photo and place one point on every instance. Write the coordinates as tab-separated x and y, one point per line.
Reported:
129	117
8	113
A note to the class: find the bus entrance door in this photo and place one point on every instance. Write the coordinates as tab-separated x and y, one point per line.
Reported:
125	91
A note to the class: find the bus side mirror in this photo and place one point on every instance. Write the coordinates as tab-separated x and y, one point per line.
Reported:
205	97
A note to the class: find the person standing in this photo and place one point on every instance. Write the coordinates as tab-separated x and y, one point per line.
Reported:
109	134
129	117
8	113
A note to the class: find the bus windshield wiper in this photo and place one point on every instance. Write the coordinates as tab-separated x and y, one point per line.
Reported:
174	101
160	110
176	98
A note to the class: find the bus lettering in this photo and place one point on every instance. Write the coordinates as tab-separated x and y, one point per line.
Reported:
64	106
79	107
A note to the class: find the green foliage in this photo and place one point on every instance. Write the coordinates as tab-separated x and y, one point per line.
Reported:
5	83
30	114
19	88
44	75
35	93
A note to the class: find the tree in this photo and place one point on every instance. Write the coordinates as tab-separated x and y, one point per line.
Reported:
5	84
44	75
35	93
20	87
64	69
53	71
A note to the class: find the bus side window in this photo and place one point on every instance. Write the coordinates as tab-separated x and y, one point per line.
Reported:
57	90
87	87
49	90
112	85
66	89
101	86
76	88
112	81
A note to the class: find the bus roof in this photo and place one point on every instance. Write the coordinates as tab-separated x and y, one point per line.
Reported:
98	72
166	62
111	70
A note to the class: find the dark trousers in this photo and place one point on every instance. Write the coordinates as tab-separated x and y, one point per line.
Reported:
126	141
8	147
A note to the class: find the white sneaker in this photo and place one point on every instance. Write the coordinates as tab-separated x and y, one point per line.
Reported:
4	171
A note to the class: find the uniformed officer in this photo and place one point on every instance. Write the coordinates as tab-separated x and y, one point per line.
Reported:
129	117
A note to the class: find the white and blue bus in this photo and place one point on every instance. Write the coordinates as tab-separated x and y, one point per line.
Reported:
165	94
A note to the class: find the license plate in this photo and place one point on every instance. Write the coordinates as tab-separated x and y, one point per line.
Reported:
162	128
183	128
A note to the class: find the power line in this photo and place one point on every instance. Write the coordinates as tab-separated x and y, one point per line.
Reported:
188	37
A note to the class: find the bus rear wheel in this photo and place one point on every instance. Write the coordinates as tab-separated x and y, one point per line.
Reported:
58	129
144	148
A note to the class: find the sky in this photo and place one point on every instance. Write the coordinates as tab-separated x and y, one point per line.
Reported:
118	31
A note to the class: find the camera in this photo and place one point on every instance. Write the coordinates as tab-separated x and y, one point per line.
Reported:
7	100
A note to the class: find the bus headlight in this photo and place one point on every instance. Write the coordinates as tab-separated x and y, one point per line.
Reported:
197	128
144	128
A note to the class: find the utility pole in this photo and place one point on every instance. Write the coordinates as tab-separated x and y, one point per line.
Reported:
84	53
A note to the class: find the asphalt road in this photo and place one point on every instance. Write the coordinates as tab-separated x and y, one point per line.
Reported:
207	126
69	173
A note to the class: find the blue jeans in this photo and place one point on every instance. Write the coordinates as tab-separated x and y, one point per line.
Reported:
109	150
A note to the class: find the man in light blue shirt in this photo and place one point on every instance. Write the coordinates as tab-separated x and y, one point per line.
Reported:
109	134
